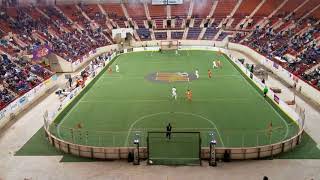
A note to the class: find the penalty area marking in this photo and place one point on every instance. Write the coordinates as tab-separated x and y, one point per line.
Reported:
184	113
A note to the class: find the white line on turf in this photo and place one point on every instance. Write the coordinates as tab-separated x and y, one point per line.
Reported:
259	95
165	100
111	77
155	114
67	115
127	78
283	120
212	123
227	76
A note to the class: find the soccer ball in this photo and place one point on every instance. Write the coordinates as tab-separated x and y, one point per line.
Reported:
150	162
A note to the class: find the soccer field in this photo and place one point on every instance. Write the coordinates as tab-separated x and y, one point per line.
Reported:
138	99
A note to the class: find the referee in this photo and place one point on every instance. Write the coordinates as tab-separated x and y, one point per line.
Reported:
168	134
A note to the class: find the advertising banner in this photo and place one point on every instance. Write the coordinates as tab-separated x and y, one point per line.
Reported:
276	98
23	100
14	105
3	113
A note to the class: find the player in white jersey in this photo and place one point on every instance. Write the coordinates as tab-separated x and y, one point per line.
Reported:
214	64
117	68
174	93
197	73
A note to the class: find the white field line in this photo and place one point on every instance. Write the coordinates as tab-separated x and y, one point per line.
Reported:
284	121
165	100
67	115
155	114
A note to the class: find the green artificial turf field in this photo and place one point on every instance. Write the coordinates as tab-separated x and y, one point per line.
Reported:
180	149
119	105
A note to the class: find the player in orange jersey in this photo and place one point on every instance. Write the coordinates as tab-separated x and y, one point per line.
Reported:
189	95
209	73
110	70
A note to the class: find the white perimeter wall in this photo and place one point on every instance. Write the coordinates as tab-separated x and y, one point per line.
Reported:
305	89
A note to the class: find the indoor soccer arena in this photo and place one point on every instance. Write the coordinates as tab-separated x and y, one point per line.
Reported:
160	89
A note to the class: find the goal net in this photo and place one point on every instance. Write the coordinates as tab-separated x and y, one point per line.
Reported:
183	148
169	45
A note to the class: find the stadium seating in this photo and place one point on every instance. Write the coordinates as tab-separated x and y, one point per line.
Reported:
136	10
144	34
210	33
289	7
159	23
18	78
313	78
94	13
160	35
222	35
197	22
202	8
137	13
157	11
176	35
180	11
178	23
224	8
268	7
193	33
115	12
246	8
279	44
305	8
264	11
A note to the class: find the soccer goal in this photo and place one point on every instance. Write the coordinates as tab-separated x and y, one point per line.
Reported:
169	45
182	148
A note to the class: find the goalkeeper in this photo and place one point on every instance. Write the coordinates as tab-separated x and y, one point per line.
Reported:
168	133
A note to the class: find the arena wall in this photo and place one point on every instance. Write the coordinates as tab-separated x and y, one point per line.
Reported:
235	153
114	153
301	86
59	64
25	101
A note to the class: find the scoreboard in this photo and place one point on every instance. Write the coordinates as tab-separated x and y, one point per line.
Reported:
165	2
